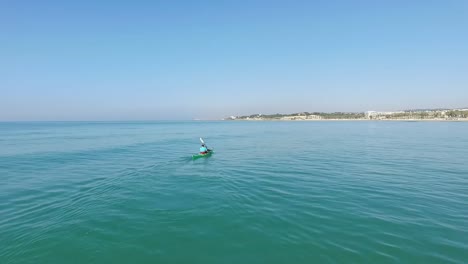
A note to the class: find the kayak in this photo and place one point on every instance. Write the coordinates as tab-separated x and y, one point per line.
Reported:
199	155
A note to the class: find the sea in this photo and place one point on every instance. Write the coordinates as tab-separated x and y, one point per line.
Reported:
272	192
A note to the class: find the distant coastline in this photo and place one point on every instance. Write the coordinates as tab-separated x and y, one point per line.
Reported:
406	115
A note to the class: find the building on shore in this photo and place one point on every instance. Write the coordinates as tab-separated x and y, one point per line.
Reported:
314	117
381	115
301	117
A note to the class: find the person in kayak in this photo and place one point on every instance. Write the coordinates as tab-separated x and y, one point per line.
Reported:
203	149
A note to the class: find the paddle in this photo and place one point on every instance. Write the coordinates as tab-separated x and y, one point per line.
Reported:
203	142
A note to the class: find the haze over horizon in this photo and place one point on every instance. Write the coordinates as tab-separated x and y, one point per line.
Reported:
211	59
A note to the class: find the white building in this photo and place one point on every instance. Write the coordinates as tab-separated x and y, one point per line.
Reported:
380	115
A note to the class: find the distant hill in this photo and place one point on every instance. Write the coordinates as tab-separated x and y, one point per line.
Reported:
412	114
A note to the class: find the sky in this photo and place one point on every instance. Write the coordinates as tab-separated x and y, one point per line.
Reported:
160	60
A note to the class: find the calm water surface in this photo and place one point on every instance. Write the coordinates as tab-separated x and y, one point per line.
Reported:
273	192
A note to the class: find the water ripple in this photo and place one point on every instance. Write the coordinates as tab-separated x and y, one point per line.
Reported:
337	192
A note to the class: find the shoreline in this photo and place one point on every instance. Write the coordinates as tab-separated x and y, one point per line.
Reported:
350	120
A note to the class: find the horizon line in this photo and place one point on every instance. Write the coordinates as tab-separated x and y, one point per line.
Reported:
221	118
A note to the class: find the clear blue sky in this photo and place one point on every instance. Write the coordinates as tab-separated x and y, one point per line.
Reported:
130	60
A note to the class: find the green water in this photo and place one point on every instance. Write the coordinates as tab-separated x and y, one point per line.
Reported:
274	192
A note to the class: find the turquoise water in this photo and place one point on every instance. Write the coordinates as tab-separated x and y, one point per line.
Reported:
273	192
